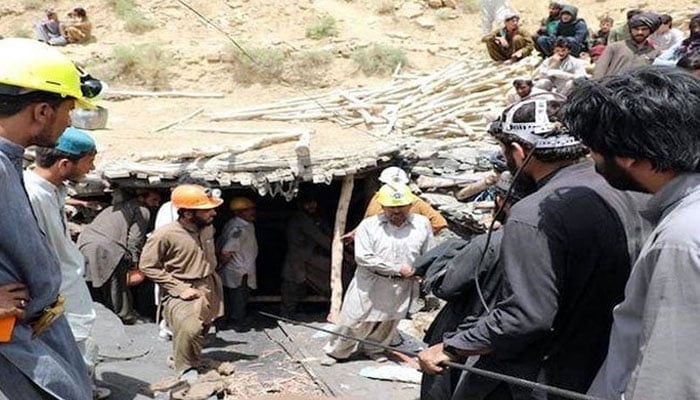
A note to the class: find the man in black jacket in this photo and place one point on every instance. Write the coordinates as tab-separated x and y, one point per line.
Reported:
566	254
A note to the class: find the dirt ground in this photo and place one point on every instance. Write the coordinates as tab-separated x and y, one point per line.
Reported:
194	55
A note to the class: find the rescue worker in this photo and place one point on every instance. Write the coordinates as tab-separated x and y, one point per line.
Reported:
112	245
395	175
181	258
71	159
38	88
571	243
237	248
382	291
307	263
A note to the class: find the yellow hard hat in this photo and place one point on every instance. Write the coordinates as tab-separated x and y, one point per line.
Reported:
194	197
240	203
395	195
33	65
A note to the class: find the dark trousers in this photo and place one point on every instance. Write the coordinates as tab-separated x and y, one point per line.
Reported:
236	301
115	294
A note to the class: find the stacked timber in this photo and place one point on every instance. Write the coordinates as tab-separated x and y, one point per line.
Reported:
448	102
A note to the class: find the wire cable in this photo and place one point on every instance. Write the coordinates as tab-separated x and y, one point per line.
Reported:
478	371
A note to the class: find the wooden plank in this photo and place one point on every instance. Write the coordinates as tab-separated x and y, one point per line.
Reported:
341	215
111	93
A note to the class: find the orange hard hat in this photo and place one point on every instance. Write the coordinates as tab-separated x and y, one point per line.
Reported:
194	197
240	203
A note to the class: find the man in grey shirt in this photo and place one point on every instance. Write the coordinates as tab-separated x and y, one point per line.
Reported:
38	88
642	128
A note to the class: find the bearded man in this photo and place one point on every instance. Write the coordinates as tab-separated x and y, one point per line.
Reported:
634	52
181	258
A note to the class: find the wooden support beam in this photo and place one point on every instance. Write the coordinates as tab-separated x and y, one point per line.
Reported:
341	215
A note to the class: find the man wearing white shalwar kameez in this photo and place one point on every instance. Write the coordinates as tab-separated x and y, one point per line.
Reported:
382	290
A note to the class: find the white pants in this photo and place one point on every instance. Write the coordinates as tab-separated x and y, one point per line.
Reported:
377	331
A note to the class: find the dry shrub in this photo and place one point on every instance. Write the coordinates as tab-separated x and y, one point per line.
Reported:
308	68
324	27
138	23
134	20
379	59
257	64
145	64
22	32
32	4
385	7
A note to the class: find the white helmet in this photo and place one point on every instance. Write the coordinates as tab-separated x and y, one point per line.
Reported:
393	175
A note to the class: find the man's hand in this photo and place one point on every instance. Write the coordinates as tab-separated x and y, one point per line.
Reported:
517	55
407	271
502	42
13	300
348	237
431	358
224	258
190	294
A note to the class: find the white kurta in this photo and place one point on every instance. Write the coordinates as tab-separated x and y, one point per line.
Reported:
378	292
238	237
48	204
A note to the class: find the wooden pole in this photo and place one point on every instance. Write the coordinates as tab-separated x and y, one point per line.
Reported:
341	215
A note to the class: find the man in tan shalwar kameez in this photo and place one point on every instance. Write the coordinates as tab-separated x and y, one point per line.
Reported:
180	257
382	290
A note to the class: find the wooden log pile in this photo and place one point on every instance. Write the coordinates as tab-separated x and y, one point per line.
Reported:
448	102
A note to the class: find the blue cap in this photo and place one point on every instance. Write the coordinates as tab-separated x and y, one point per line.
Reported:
75	142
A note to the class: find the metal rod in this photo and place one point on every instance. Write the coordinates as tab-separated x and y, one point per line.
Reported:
478	371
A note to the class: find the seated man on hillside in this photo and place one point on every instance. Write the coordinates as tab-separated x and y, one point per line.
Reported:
600	39
79	29
622	32
557	73
548	25
636	52
671	56
48	30
571	27
666	36
509	43
522	88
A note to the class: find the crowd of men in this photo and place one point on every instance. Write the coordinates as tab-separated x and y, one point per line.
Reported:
589	283
571	52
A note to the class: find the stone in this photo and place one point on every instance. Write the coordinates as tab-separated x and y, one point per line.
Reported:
426	22
450	3
411	10
203	390
226	369
435	3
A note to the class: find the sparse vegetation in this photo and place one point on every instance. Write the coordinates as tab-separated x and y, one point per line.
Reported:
385	7
22	32
257	64
314	58
138	23
470	6
134	19
379	59
32	4
308	67
324	27
144	63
